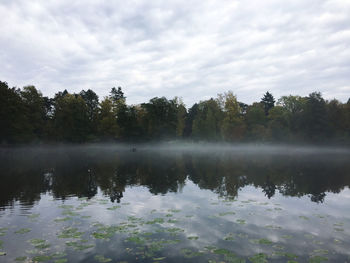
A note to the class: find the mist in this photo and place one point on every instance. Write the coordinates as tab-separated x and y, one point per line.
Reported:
175	147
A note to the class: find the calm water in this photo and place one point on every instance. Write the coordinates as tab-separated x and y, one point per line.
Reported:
99	204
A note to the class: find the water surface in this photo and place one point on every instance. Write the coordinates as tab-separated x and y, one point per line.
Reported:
173	204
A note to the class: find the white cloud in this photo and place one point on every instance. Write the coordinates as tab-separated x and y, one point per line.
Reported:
192	49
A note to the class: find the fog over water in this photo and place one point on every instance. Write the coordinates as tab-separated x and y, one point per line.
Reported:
192	147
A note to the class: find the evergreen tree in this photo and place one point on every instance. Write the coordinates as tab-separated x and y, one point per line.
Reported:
268	101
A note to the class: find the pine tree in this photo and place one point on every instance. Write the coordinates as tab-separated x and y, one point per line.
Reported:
268	101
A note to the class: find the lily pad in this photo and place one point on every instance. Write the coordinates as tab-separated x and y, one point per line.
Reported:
174	210
261	241
155	221
102	259
188	253
63	219
70	232
3	231
42	258
259	258
79	246
23	231
229	237
227	213
114	207
39	243
317	259
33	216
21	259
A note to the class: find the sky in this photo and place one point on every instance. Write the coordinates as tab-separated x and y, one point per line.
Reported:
190	49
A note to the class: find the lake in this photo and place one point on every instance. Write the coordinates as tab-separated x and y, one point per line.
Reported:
173	203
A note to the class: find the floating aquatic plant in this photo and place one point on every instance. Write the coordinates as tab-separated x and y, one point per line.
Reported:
66	206
70	232
62	219
114	207
39	243
42	258
61	260
188	253
259	258
79	245
3	231
240	221
21	259
69	213
262	241
23	231
174	210
33	217
155	221
102	259
317	259
227	213
229	237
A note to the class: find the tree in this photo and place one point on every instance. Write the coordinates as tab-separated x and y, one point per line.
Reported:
108	128
70	118
278	123
13	123
232	127
268	101
117	95
207	123
294	107
35	111
315	119
255	119
92	104
161	116
192	113
181	113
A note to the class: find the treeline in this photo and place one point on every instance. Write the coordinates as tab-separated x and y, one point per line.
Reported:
28	116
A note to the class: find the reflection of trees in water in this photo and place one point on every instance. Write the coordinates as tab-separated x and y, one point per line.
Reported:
76	173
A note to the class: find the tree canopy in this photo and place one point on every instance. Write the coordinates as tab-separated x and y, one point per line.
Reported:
28	116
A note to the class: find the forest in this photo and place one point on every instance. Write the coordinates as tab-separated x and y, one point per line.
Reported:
26	116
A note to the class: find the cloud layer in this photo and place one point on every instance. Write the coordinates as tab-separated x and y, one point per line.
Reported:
191	49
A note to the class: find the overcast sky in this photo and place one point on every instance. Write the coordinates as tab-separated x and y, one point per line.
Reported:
190	49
